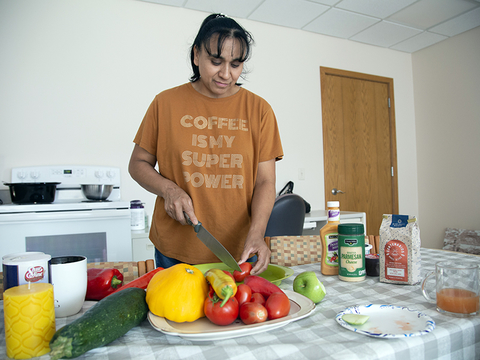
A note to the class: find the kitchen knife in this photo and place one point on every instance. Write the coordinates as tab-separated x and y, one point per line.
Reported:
213	244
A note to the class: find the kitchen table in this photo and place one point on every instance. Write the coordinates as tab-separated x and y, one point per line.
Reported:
317	336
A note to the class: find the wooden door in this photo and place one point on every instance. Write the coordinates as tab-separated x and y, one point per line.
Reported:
359	143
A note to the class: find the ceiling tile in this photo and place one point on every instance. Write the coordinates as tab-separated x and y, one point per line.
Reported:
405	25
290	13
427	13
377	8
385	34
329	2
340	23
167	2
419	42
459	24
233	8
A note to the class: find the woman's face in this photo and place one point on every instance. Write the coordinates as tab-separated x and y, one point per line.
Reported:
219	72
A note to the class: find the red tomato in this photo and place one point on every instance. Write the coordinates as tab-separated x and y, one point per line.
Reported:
224	315
252	313
229	274
277	305
258	298
240	276
244	294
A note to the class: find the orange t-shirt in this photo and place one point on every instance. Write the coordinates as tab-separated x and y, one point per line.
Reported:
211	148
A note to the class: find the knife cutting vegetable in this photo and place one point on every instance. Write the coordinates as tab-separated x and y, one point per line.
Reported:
213	244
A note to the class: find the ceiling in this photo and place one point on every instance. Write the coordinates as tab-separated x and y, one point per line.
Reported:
404	25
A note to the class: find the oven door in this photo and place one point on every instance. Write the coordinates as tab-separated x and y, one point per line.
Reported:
100	235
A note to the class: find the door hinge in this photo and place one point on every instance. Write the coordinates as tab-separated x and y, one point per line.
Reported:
388	102
392	171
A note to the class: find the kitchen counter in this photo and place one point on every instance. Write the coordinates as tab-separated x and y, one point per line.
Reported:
316	219
142	247
316	336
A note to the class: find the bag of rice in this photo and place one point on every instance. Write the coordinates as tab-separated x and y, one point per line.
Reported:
400	250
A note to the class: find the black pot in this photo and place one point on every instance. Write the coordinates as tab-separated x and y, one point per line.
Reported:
32	193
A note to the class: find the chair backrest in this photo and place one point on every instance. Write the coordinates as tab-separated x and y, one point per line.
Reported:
462	240
288	216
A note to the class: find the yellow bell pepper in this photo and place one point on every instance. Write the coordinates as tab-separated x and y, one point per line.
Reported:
178	293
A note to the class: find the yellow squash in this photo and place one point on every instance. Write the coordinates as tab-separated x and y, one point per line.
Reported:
178	293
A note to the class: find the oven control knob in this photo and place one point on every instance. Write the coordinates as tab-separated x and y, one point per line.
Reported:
21	175
99	174
34	175
110	174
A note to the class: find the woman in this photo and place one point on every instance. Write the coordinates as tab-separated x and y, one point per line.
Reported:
216	145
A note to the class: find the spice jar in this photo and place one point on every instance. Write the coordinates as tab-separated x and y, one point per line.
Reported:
137	213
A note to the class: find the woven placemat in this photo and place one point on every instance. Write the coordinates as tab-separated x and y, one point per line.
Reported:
295	250
129	269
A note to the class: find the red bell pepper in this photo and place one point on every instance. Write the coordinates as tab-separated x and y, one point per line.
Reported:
141	282
102	282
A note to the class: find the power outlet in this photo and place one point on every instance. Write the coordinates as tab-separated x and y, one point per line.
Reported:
301	174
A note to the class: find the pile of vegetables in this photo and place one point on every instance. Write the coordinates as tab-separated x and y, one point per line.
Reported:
254	301
181	293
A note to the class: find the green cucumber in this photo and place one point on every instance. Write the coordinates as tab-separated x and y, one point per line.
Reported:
106	321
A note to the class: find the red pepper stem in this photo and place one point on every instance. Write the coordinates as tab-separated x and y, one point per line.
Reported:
115	282
227	292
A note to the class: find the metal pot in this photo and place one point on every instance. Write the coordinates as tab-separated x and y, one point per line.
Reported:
96	191
32	193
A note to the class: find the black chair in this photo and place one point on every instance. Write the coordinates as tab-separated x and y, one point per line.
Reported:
288	216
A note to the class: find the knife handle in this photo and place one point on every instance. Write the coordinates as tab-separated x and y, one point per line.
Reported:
189	222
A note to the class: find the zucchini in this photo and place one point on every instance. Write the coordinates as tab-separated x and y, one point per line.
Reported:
103	323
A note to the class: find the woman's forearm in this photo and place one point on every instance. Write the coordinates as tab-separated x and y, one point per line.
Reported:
263	198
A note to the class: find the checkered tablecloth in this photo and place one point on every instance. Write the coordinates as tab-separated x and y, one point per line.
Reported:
318	336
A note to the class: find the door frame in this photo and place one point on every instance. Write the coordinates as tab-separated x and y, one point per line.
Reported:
326	71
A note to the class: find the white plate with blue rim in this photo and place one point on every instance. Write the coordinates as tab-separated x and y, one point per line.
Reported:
388	321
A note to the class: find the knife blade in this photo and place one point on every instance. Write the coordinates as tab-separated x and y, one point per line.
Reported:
213	244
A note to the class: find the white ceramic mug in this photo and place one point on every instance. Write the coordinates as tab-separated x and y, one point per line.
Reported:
69	280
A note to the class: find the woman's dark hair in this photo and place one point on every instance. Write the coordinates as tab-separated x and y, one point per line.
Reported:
225	28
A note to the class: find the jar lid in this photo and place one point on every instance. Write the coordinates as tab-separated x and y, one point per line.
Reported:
333	203
135	204
350	229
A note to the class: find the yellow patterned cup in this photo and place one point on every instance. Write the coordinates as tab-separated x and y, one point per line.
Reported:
29	320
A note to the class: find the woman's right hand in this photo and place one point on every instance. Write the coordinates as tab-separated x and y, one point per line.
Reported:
142	169
177	201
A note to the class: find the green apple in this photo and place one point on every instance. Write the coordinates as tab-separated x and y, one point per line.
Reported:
308	285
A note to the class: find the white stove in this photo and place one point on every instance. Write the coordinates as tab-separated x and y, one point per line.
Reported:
72	224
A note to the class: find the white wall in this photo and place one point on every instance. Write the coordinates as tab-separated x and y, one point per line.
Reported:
77	77
447	108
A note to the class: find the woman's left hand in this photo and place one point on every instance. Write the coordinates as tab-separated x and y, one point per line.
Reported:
256	246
